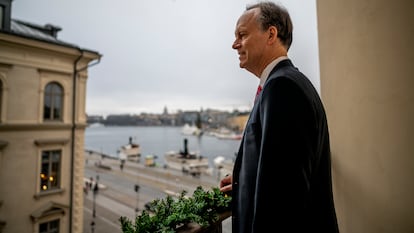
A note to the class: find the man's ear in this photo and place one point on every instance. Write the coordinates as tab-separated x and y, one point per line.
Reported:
272	34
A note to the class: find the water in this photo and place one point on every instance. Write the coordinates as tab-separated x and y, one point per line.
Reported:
157	140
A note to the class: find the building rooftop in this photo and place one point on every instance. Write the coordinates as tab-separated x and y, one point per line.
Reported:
46	33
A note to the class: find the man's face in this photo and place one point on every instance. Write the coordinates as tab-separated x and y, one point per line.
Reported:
250	42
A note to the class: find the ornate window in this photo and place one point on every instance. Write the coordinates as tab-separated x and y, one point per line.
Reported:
50	170
53	102
47	218
49	227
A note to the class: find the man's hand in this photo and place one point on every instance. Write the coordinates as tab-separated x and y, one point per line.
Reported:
225	184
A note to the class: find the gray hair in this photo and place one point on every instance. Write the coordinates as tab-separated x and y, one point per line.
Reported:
272	14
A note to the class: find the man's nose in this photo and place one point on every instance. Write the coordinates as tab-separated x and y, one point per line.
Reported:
236	44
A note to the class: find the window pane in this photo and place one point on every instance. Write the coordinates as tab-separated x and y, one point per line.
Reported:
57	107
54	176
44	174
50	170
49	227
53	102
43	227
57	102
54	226
47	107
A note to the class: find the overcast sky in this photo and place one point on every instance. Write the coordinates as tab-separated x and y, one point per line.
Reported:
167	53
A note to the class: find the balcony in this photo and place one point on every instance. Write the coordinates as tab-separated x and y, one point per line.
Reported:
203	212
214	228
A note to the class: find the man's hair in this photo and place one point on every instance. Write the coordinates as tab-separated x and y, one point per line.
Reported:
275	15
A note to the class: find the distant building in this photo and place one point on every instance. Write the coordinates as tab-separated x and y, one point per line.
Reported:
238	122
94	119
42	124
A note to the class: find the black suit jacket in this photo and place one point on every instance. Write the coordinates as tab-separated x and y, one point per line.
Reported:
282	173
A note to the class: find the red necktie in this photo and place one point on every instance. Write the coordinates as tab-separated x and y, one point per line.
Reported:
259	89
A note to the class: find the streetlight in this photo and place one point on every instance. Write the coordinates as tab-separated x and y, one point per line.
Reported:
95	192
93	226
136	188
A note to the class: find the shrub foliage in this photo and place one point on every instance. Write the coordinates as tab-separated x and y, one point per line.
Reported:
169	214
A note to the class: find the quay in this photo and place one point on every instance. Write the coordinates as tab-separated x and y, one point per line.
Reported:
124	191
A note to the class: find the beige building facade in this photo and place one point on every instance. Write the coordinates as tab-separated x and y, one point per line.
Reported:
238	122
366	66
42	122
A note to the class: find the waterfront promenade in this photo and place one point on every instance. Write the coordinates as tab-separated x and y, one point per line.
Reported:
117	195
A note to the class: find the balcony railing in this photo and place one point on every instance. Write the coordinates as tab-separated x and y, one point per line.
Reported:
213	228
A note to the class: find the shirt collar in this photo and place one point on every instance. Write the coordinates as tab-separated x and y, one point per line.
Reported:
269	68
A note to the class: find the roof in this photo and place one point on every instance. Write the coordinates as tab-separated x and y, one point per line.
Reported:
46	33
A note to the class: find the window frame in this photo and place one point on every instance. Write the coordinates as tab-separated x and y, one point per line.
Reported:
50	145
50	170
48	226
3	93
54	97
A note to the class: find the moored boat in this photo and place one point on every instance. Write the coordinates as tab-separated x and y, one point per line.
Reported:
191	130
187	162
130	151
225	133
232	136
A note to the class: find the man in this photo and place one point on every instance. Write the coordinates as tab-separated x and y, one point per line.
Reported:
282	174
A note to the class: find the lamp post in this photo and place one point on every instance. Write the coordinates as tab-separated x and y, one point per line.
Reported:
94	192
92	226
136	188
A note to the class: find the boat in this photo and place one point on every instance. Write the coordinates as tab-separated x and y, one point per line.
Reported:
195	129
224	133
191	130
224	166
187	162
130	151
231	136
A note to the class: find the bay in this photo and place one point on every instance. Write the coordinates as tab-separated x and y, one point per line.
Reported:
157	140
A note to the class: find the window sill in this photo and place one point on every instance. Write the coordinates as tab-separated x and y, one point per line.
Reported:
49	192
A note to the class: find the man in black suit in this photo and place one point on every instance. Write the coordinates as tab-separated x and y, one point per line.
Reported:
281	179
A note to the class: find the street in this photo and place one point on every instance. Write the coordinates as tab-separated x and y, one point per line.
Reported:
123	191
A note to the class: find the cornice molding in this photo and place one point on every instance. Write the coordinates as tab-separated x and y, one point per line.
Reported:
20	41
54	141
5	66
50	208
45	126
